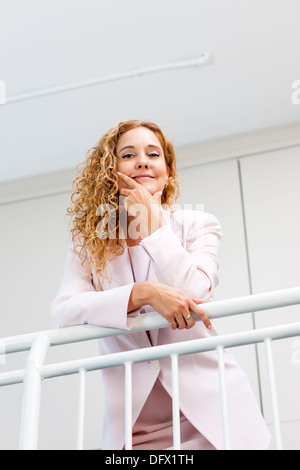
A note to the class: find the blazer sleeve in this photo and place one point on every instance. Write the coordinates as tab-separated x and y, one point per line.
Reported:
192	268
77	302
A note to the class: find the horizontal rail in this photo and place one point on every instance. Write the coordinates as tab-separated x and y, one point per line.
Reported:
181	348
145	354
12	378
149	321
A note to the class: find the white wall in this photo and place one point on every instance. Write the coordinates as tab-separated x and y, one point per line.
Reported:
217	187
271	186
255	197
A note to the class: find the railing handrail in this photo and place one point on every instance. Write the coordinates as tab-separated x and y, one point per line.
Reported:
227	340
149	321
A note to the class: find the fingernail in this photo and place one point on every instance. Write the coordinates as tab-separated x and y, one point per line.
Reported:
209	327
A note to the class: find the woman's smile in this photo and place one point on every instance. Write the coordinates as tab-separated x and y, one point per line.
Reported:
142	177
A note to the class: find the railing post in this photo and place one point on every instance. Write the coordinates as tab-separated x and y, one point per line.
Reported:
224	409
175	402
81	410
32	394
273	395
128	405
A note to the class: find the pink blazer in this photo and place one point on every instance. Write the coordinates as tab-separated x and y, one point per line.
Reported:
184	254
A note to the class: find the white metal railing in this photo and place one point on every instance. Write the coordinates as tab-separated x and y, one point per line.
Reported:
38	343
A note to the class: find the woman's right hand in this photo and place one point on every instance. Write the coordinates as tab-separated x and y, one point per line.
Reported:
175	306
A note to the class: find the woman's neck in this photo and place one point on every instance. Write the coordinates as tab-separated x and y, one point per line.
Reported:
129	240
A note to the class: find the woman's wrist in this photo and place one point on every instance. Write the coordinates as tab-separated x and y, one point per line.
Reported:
153	221
140	295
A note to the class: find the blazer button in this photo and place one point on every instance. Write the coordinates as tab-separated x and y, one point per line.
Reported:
154	365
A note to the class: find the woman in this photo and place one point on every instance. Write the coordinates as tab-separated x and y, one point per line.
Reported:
130	255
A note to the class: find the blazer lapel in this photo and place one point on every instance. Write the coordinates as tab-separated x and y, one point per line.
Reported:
119	273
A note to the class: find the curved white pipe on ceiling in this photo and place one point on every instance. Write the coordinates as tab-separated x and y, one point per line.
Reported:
204	59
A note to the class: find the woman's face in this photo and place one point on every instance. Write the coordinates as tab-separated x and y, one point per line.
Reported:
139	152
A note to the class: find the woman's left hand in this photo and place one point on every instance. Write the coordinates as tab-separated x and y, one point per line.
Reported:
140	203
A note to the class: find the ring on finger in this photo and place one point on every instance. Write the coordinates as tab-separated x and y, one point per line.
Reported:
188	317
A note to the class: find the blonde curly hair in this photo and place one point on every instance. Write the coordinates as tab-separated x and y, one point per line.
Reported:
97	184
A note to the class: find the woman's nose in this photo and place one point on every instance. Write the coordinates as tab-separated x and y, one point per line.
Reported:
142	161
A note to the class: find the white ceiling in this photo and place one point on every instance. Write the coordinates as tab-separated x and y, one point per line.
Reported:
256	44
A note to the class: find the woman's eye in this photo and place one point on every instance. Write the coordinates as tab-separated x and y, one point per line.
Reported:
128	155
